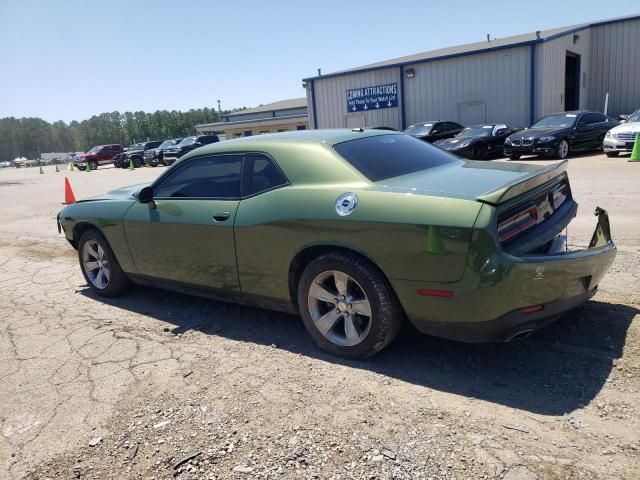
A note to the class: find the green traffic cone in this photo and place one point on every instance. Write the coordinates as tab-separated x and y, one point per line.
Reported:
41	171
635	153
131	166
71	166
434	242
57	170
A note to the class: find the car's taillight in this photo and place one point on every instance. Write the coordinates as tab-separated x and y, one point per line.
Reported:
560	193
517	223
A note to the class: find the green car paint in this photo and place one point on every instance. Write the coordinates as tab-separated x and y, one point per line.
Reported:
430	230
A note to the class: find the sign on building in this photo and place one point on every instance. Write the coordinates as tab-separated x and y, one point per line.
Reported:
372	98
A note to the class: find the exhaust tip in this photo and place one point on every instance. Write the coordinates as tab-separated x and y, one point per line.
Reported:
520	335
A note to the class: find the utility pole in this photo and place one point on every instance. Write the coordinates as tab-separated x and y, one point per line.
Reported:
219	109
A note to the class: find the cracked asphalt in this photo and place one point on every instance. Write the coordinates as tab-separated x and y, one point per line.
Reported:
163	385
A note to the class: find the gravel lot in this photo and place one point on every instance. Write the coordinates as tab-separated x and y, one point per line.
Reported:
162	385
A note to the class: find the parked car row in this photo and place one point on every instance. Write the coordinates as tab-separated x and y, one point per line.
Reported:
152	153
555	135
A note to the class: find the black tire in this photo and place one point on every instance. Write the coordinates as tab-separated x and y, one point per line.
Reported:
137	162
559	149
152	164
386	314
612	154
118	281
514	156
81	168
93	165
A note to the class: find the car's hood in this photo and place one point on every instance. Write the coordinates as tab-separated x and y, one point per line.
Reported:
490	182
633	127
453	143
532	133
124	193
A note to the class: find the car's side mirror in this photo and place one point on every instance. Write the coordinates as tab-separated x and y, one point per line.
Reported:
623	117
145	195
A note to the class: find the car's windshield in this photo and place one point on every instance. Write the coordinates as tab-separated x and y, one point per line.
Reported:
136	146
419	129
476	131
94	150
634	117
187	141
564	120
386	156
167	143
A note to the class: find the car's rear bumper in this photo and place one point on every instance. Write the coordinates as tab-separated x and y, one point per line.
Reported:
506	296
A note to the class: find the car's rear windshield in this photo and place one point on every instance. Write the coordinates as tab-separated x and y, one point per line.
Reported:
386	156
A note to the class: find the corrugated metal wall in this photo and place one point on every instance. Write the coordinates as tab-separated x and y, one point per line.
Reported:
331	100
550	71
498	82
498	79
615	67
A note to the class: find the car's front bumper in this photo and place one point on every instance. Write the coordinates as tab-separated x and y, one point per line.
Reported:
506	296
533	149
611	145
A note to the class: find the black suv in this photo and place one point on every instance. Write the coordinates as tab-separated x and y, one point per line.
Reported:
187	144
135	154
155	156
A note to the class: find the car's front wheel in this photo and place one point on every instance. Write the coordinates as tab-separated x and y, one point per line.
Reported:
99	265
93	165
612	154
562	151
347	306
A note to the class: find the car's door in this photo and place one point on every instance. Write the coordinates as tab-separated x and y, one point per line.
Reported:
586	133
438	132
601	126
186	234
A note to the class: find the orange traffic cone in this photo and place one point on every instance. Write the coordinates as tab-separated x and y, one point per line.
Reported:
69	197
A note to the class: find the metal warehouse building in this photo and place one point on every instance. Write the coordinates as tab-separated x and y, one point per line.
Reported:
515	80
274	117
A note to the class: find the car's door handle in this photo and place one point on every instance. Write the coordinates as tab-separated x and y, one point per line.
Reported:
220	216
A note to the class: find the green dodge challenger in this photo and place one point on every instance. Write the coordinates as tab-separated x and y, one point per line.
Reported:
355	230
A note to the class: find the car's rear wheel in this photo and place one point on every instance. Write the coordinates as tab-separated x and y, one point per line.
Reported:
347	306
137	162
99	265
612	154
562	151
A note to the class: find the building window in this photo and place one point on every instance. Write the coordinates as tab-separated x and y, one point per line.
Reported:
301	127
280	130
264	132
248	133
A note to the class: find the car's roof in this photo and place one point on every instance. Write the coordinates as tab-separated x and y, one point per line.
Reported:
325	136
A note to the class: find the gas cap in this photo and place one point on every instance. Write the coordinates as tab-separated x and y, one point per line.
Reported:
346	203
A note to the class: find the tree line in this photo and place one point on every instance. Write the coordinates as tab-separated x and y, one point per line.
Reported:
29	137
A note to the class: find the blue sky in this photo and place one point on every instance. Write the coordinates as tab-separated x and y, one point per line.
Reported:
70	59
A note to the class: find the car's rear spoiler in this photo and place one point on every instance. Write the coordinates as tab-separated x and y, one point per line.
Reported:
524	184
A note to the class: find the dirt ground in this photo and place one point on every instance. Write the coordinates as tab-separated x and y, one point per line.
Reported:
162	385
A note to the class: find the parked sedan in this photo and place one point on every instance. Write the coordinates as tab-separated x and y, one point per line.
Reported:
353	230
155	156
479	142
622	137
434	130
560	134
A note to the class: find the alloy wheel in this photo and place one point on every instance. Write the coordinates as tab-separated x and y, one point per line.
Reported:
563	149
96	264
339	308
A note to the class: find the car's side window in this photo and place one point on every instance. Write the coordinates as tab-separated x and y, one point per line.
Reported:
261	174
206	177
